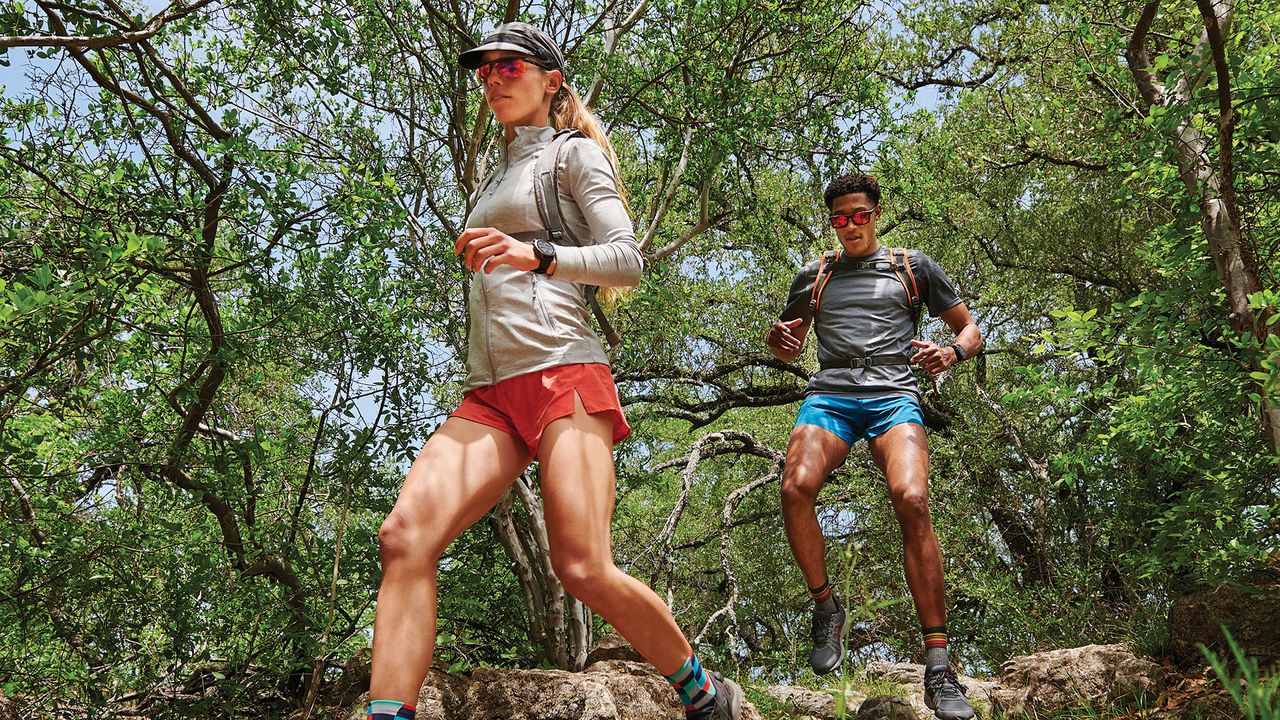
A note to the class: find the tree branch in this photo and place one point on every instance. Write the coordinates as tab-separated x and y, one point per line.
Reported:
96	42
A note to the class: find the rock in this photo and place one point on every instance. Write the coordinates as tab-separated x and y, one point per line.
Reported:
612	647
442	693
912	676
900	673
804	700
638	690
545	695
887	707
1250	610
1094	675
608	690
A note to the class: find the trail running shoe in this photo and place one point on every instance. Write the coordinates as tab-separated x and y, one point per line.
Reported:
828	639
729	698
944	695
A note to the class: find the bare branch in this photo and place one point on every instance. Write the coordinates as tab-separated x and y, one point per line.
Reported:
726	522
611	37
669	193
1139	61
28	511
95	42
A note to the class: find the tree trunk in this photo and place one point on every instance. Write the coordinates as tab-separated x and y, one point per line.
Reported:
559	624
1212	181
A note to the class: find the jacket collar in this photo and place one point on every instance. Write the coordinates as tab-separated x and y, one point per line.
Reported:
527	141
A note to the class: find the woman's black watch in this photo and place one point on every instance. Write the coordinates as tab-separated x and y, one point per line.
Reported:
546	252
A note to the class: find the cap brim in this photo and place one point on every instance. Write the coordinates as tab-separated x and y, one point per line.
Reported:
471	58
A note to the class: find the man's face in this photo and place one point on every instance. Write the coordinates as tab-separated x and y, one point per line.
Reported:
857	240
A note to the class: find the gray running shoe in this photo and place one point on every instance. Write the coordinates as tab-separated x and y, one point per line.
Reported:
729	699
828	639
944	695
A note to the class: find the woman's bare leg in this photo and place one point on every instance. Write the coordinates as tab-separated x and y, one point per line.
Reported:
460	474
576	455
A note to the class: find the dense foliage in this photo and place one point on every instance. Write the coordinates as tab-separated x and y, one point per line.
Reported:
231	315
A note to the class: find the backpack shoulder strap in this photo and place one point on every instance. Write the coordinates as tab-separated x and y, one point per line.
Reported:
546	190
546	187
914	300
825	270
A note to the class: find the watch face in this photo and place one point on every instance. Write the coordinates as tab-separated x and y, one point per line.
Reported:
544	248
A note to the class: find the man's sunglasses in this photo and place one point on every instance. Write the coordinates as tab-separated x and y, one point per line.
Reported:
860	218
508	68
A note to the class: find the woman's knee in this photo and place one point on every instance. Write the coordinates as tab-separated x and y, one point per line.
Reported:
583	576
406	536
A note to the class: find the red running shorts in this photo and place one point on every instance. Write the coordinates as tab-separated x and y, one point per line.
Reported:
524	405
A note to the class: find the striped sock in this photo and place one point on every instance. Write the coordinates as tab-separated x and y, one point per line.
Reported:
823	598
390	710
822	592
693	685
935	646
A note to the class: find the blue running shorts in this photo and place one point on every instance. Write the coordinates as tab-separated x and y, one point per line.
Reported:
854	418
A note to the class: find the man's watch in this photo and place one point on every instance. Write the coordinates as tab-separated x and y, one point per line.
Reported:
958	349
546	252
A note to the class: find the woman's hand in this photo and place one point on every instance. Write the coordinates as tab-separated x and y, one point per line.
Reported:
487	248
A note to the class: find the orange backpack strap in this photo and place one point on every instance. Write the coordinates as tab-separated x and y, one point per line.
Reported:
914	301
829	258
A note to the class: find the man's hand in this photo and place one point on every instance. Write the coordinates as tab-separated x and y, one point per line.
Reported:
786	337
488	248
933	358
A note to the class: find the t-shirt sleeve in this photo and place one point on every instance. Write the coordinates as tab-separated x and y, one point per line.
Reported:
939	292
798	298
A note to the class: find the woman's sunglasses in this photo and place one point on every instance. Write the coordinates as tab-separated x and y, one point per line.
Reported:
508	68
860	218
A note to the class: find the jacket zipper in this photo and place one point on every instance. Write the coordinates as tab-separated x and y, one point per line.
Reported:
488	337
538	305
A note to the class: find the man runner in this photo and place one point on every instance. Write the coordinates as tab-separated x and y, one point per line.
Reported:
863	302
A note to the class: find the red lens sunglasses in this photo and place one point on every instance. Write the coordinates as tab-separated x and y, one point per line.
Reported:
508	68
860	218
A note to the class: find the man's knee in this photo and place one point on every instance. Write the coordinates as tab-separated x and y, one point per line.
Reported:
800	486
911	504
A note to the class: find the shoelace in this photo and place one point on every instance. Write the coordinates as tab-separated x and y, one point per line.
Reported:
945	684
823	624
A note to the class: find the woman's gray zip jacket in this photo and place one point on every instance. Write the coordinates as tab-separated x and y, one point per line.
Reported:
522	321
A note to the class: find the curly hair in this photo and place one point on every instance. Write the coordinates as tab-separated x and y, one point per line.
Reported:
850	184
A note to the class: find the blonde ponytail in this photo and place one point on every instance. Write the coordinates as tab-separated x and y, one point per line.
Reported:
568	111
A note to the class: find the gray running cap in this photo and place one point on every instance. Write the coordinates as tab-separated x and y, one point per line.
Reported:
519	37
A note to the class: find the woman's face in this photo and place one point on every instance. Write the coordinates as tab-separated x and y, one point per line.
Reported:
521	100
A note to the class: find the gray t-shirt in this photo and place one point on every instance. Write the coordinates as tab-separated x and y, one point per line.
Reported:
865	312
